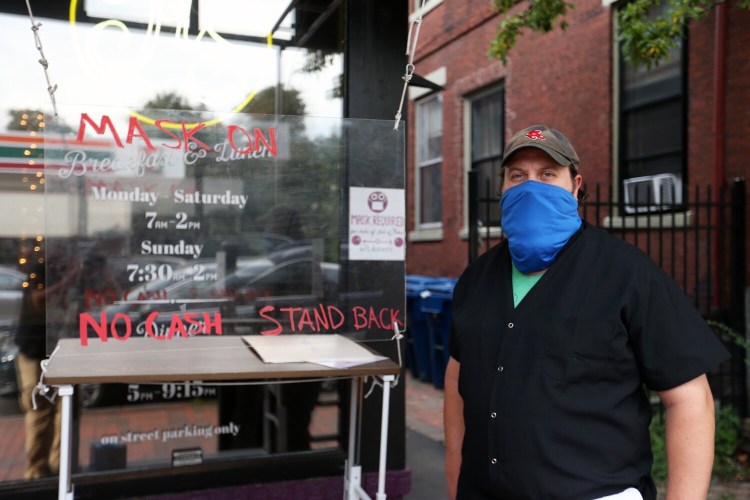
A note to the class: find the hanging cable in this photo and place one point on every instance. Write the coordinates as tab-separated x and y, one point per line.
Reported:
43	61
411	47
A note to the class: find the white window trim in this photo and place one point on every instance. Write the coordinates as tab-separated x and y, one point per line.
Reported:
434	234
430	231
681	219
428	6
438	77
495	233
616	220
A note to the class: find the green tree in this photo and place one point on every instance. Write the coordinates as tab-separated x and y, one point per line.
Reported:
317	60
26	119
171	100
646	38
32	120
264	102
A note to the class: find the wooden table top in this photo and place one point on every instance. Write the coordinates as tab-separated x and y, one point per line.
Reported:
226	358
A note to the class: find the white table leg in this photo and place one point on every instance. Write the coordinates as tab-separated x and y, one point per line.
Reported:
353	471
387	379
65	488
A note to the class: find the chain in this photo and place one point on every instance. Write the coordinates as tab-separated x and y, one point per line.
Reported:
411	47
42	389
43	61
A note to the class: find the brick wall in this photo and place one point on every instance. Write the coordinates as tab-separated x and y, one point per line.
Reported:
562	79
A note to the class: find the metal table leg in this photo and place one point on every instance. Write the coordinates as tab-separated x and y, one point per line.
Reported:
384	435
65	488
353	481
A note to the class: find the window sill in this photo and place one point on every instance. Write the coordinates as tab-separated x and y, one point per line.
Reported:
653	221
495	232
435	234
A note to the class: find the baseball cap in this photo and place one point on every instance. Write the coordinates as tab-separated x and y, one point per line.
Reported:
549	140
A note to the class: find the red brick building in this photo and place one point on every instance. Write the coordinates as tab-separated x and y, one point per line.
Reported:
628	126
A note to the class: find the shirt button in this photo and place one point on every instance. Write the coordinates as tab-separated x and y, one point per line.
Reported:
493	415
500	368
493	461
510	325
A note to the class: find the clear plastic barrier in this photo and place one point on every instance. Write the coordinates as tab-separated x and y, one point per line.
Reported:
168	224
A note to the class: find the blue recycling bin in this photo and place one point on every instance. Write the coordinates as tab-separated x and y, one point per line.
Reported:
417	335
436	303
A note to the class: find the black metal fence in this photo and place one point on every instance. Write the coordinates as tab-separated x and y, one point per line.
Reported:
697	235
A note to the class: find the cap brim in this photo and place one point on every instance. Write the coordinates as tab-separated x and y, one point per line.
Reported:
559	158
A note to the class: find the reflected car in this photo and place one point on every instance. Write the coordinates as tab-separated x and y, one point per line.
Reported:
288	279
246	245
297	282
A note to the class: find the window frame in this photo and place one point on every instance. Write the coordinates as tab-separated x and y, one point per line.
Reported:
623	109
469	162
419	164
474	163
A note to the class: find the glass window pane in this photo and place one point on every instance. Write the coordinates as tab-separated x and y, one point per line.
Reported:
655	129
488	179
168	12
429	188
652	110
430	128
429	154
667	164
486	126
249	17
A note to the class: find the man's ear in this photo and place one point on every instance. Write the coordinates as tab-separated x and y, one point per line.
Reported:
577	181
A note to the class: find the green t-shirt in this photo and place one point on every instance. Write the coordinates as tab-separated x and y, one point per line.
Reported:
522	283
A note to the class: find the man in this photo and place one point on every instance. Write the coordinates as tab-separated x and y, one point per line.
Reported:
41	424
555	332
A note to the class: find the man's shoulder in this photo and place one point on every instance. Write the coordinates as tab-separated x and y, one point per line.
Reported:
617	256
484	266
489	259
608	242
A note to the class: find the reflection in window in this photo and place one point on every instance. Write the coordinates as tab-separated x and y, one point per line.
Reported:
429	159
487	126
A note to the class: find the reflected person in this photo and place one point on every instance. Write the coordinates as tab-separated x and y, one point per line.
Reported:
41	425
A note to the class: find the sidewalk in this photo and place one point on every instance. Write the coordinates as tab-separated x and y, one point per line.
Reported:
425	449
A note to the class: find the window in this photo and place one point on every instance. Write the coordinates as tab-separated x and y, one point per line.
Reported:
429	139
487	125
653	128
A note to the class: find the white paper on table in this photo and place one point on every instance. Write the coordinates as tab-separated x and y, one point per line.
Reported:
337	363
331	350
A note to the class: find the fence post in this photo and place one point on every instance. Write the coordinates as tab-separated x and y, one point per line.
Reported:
737	283
473	215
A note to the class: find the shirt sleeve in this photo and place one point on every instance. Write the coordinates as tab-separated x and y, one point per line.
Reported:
671	339
454	348
454	345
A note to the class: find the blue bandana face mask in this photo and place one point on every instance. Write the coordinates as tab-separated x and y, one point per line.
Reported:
538	220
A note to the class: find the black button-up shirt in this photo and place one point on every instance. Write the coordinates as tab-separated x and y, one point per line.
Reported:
554	402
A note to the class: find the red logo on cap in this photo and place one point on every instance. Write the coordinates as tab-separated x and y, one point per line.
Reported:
535	134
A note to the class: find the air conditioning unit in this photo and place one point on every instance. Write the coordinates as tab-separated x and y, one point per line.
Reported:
652	193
